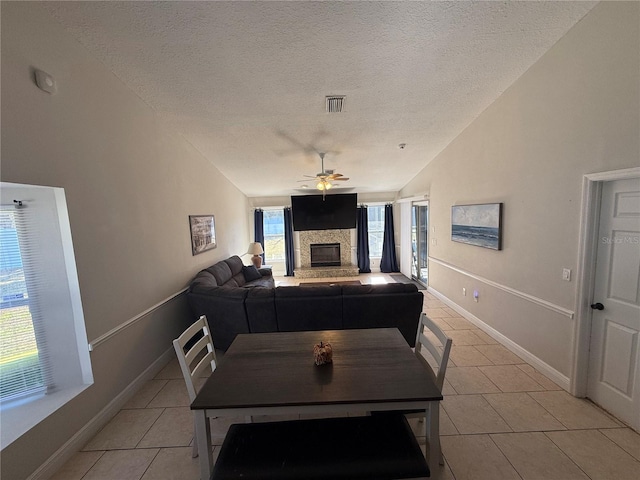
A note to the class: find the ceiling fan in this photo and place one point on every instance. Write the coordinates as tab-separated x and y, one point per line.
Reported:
325	178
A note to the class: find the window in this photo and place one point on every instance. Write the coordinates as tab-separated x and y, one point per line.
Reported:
44	354
23	365
273	223
375	215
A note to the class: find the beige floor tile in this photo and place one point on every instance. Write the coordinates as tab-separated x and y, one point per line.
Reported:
174	428
124	430
598	456
574	413
447	389
447	427
472	414
451	311
510	378
465	337
539	377
476	457
437	313
499	355
142	398
173	394
626	439
122	465
522	413
535	457
459	323
485	337
442	323
170	371
77	466
468	356
173	464
470	380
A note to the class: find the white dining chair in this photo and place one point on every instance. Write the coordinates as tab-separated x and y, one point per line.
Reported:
196	355
432	348
436	362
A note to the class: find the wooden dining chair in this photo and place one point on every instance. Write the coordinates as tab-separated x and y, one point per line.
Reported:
434	357
436	363
196	354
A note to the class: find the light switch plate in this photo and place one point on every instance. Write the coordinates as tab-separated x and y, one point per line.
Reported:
566	274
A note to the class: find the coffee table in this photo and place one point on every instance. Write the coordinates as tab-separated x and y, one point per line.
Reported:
274	373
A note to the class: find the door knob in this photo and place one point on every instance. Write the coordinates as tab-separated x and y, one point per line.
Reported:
597	306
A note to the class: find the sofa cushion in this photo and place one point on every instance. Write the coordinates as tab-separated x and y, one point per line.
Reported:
251	273
235	264
221	272
309	308
383	306
204	280
261	310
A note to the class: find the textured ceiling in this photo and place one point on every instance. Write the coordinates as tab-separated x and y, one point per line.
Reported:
245	82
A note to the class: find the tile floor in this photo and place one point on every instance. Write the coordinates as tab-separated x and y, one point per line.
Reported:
500	420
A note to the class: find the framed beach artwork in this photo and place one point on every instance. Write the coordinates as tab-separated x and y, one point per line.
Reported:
203	233
479	225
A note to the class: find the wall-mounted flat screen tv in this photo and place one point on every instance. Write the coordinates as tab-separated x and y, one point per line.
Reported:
335	211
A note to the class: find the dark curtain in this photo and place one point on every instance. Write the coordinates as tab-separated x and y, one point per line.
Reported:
289	254
362	232
388	263
258	229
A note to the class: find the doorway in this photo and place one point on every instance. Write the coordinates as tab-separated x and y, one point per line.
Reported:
420	242
607	356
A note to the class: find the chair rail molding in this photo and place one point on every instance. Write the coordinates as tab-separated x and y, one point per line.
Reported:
114	331
531	298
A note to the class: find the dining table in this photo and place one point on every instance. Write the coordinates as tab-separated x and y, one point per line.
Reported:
275	374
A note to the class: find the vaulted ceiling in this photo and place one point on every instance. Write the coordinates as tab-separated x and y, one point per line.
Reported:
245	82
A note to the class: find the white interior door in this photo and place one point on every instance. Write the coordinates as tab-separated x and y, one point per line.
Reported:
614	357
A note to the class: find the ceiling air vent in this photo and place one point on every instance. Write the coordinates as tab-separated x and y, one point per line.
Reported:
335	103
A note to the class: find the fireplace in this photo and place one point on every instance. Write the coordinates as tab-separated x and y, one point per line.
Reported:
325	254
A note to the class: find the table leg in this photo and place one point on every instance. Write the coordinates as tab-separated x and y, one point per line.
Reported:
433	435
203	437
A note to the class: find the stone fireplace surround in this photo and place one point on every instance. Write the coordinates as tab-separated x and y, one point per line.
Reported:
308	237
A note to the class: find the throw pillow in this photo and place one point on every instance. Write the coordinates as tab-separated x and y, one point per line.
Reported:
251	273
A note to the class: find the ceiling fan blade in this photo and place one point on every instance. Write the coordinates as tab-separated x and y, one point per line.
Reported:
341	179
336	175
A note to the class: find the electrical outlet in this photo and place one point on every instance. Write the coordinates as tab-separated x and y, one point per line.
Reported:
566	274
475	295
434	241
464	292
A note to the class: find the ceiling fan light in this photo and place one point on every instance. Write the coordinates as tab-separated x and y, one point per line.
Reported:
327	185
320	186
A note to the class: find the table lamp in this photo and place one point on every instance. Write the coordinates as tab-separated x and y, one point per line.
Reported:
256	250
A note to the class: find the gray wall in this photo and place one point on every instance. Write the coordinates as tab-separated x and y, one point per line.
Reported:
131	183
575	111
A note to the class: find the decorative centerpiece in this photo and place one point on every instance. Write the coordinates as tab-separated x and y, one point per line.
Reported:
322	353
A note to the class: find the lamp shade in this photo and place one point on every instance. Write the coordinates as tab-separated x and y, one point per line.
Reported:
255	248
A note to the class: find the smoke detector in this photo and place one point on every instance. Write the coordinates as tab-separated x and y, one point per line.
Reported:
335	103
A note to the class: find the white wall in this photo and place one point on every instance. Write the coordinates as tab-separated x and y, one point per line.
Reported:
131	184
575	111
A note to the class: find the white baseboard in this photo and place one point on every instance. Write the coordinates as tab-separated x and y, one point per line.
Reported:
544	368
89	430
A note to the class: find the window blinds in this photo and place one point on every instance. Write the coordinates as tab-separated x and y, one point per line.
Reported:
24	366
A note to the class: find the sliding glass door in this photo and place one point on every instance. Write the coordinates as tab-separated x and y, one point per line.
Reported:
420	242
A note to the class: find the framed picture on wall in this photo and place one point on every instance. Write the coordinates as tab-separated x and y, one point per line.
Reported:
203	233
479	225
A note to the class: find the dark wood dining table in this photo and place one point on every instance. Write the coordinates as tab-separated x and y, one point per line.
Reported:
275	374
